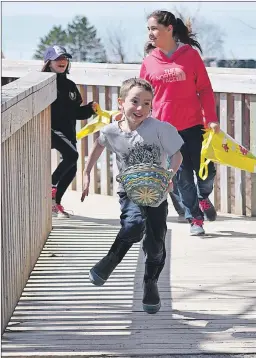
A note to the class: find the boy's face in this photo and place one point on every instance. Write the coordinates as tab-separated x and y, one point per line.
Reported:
137	104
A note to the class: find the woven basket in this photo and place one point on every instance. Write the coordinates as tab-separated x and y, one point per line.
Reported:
145	184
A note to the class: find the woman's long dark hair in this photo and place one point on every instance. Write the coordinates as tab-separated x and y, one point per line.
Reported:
180	30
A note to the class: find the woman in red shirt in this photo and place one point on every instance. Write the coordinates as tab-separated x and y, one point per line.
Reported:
184	98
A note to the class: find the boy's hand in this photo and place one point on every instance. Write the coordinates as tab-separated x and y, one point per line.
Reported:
85	186
170	187
214	126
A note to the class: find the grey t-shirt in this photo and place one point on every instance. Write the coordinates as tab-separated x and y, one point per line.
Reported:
152	142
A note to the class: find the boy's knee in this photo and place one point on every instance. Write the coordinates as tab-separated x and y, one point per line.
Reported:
133	229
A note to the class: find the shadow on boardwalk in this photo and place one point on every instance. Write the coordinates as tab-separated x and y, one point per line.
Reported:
61	314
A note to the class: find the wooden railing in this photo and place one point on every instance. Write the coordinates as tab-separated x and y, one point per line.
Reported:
235	92
26	181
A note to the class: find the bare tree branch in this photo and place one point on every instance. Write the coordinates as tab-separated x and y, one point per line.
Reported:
244	23
116	45
209	35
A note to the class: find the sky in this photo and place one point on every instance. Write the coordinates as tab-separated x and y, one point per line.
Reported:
23	23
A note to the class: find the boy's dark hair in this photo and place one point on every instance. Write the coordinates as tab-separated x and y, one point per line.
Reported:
148	48
127	85
180	31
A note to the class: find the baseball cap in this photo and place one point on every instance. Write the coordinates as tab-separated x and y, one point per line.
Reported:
53	52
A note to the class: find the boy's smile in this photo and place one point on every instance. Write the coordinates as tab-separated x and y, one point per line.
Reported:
137	105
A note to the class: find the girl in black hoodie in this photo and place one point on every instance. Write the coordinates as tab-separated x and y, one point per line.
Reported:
64	112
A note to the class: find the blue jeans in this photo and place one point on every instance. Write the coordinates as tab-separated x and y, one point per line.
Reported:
147	223
189	192
176	199
206	186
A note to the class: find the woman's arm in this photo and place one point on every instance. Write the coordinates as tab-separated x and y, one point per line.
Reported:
205	93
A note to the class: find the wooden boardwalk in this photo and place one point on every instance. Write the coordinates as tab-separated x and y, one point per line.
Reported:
208	292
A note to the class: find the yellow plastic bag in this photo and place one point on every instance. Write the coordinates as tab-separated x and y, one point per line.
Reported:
103	118
223	149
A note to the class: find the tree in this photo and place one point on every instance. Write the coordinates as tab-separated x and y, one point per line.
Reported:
57	36
83	42
209	35
116	46
80	39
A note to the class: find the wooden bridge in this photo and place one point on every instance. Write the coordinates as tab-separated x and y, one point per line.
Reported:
49	307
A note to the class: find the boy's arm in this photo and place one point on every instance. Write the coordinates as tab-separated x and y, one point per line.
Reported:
94	155
176	161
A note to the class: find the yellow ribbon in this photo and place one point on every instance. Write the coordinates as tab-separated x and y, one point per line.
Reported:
102	119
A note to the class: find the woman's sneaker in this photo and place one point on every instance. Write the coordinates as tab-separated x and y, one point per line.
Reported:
208	209
196	228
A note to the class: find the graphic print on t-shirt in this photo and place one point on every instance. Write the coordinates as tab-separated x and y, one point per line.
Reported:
143	154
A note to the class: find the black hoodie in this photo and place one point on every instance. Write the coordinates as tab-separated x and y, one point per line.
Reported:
67	108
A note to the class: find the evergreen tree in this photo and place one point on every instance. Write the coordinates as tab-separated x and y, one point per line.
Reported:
83	42
57	36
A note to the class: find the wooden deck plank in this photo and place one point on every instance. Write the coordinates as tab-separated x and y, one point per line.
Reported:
207	288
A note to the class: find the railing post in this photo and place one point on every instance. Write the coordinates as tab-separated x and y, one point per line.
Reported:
105	156
115	169
224	187
239	175
253	150
94	181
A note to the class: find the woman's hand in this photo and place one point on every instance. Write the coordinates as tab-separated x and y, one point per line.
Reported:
86	184
214	126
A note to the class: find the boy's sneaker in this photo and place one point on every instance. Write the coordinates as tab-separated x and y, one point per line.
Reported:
196	228
151	301
100	272
61	213
208	209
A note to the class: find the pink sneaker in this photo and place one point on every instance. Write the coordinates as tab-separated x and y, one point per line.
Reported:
61	213
208	209
54	191
196	228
